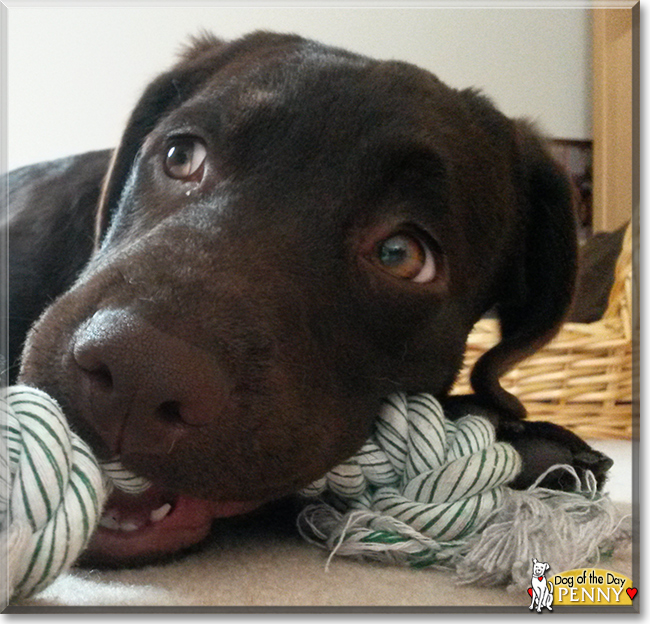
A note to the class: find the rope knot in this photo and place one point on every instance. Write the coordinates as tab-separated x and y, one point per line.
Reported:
52	489
440	477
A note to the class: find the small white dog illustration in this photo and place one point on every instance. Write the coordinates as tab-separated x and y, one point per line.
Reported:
542	590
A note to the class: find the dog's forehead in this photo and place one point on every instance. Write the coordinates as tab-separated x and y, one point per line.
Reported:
292	70
321	83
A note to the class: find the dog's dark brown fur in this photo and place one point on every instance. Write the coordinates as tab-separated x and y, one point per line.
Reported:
229	336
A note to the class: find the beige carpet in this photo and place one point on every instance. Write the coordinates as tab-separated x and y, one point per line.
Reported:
257	564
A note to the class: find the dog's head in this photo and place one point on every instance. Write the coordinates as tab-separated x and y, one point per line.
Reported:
540	567
288	233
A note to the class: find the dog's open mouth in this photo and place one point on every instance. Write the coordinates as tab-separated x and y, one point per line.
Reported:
138	528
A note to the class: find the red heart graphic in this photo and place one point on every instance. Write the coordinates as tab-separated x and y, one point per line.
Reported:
631	592
539	578
530	592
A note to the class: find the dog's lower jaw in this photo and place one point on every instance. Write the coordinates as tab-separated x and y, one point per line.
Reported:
136	530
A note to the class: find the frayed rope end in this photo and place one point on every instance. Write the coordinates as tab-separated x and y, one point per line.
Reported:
571	529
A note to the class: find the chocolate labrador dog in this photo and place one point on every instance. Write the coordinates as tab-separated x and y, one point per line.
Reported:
286	234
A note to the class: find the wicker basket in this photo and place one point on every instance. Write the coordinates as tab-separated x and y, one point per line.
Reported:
582	379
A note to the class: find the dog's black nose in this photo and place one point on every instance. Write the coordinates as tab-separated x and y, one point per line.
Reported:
140	383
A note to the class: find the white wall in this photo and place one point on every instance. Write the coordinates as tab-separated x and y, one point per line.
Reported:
74	73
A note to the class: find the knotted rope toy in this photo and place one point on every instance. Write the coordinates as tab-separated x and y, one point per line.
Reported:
438	477
52	490
426	491
423	490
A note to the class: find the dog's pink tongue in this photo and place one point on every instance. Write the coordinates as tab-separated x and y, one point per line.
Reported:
138	528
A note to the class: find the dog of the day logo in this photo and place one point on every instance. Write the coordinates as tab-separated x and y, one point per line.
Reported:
587	586
541	591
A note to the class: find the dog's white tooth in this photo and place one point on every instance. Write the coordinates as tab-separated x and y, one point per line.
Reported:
128	526
109	522
158	514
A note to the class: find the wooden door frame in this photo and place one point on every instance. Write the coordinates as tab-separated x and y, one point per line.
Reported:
615	114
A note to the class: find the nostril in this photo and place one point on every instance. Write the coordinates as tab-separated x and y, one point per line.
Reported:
170	412
183	413
127	367
101	375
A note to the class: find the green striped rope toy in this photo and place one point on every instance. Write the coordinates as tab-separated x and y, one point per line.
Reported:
52	490
420	478
423	490
427	491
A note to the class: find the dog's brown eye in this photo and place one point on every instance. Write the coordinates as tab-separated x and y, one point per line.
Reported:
185	158
405	256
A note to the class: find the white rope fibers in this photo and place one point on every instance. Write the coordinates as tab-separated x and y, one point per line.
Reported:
52	490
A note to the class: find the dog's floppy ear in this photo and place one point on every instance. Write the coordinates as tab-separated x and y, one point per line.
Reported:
538	283
165	93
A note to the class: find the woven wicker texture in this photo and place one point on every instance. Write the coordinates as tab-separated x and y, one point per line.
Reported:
582	379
